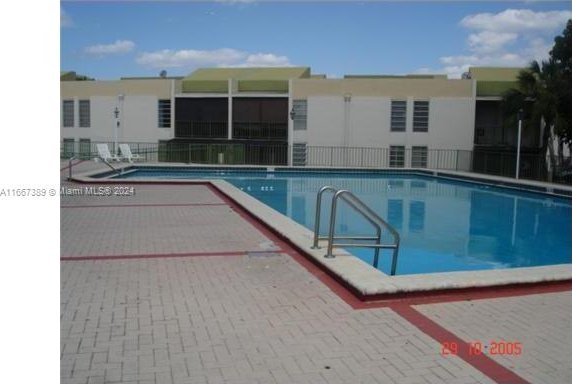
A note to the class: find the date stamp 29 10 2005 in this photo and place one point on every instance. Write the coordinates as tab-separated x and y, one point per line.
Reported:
493	347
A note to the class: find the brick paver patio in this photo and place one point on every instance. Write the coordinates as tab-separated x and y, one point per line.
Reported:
234	307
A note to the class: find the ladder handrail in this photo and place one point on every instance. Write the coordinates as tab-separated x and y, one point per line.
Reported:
318	212
118	171
373	218
369	211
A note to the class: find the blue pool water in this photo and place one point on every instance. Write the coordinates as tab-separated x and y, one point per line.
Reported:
444	225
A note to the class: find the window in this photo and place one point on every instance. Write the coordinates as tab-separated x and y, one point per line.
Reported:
300	108
84	114
299	154
420	116
203	117
163	150
164	113
398	115
69	148
416	216
85	149
419	157
260	118
395	212
68	106
396	156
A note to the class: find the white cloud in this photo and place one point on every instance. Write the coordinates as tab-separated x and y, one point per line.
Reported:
119	47
489	41
517	20
538	49
456	60
223	57
266	60
65	19
167	58
511	38
455	66
424	71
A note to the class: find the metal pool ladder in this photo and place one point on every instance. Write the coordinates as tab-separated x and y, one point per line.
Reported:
372	217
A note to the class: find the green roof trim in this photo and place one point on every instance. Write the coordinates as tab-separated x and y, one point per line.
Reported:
494	73
67	76
494	88
205	86
72	76
414	76
263	86
151	78
273	79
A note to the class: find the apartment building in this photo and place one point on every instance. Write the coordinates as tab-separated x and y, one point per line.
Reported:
276	115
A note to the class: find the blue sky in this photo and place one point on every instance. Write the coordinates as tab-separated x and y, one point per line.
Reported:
107	40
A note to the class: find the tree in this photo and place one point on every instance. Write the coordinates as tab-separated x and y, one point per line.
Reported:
562	55
544	93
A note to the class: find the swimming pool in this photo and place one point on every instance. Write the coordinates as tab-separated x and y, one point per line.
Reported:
445	225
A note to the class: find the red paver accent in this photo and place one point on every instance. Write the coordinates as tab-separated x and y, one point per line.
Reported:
483	363
140	205
152	256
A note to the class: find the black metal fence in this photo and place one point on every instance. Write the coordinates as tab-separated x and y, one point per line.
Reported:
201	129
260	130
533	166
366	157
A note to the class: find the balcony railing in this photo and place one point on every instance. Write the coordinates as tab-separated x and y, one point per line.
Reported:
201	129
260	130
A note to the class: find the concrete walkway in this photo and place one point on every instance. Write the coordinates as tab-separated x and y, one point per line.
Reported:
172	284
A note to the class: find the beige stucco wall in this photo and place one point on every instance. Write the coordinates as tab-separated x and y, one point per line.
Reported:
85	89
139	109
451	123
139	120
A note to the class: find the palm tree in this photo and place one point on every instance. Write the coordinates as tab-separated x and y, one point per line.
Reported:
536	97
544	94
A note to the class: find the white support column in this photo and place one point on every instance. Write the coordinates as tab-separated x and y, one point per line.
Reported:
347	109
517	170
290	125
229	109
172	109
473	112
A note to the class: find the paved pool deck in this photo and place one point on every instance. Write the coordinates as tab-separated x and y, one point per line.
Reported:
176	284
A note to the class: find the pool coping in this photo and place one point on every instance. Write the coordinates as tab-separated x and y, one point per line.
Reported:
365	281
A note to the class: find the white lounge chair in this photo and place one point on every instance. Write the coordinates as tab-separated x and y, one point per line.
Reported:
104	154
127	154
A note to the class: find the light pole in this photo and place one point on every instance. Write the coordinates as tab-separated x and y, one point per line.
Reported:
117	113
519	116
